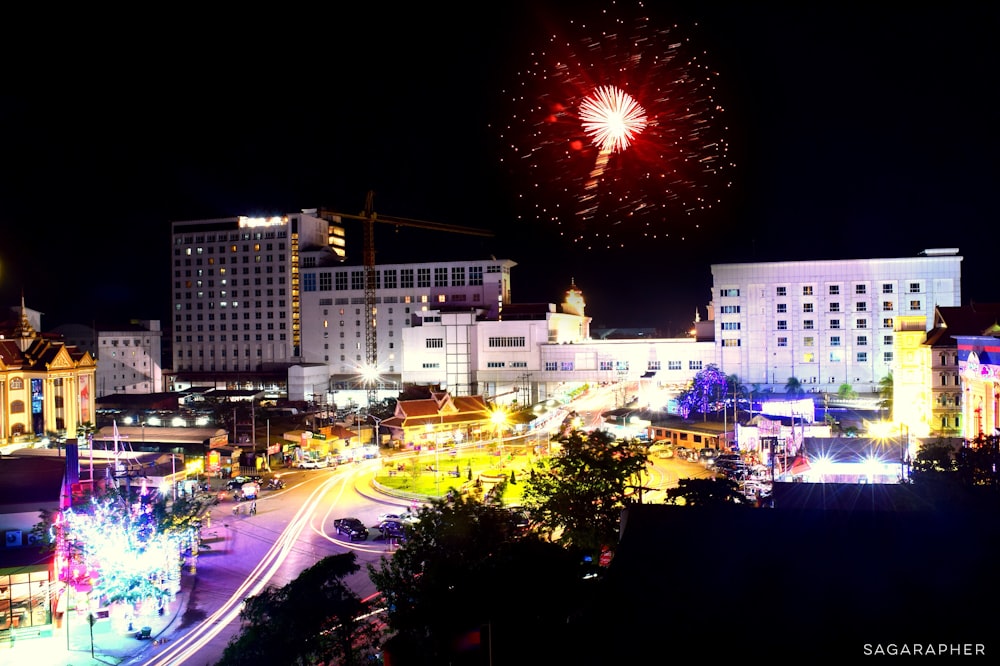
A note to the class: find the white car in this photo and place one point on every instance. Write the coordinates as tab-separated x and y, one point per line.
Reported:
308	463
405	517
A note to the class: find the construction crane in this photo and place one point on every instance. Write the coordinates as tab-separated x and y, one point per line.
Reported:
369	218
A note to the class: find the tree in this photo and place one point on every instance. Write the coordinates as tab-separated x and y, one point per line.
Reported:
313	618
885	393
793	388
577	496
846	392
706	393
705	492
465	568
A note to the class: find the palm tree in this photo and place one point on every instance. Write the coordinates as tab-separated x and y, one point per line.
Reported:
793	388
885	390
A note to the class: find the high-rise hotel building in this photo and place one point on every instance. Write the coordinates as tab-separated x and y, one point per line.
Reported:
825	323
236	298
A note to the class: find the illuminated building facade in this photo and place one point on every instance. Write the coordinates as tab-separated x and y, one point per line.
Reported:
236	294
46	386
333	303
979	366
827	322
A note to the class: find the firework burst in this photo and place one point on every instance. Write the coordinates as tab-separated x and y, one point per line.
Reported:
615	133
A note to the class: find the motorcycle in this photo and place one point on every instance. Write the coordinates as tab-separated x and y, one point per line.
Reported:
275	484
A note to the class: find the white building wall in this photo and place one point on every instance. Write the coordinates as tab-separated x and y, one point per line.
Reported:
333	303
824	322
129	361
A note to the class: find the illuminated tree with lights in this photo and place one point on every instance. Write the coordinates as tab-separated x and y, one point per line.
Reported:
706	393
121	546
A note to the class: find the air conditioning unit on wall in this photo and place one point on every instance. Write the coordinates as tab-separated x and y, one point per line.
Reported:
12	538
33	539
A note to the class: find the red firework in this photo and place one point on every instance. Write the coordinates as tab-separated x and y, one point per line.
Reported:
616	133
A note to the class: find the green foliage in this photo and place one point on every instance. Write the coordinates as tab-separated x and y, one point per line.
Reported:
885	394
707	391
312	619
705	492
465	566
577	496
846	392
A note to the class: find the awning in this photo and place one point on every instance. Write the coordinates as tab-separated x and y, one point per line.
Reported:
649	375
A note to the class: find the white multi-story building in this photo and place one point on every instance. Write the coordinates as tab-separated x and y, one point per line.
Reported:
128	359
827	322
236	297
333	311
534	352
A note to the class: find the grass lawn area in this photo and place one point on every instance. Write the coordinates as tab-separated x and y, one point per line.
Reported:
416	475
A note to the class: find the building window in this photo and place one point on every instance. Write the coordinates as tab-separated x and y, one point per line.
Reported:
834	323
807	290
730	326
862	357
808	341
861	306
914	287
551	366
781	291
887	288
653	365
434	343
887	340
835	290
731	342
887	357
914	305
861	323
835	341
836	357
673	365
782	308
862	340
887	306
782	342
566	366
809	357
729	309
782	325
860	290
807	307
808	324
506	341
729	292
694	365
834	307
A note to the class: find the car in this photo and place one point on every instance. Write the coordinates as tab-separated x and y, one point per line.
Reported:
308	463
352	528
237	482
405	517
392	529
707	453
681	452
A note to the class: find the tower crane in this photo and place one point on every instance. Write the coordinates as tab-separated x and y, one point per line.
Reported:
368	217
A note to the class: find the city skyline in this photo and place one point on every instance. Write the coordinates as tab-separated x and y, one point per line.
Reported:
850	135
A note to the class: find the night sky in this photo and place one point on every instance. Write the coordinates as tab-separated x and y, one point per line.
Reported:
853	131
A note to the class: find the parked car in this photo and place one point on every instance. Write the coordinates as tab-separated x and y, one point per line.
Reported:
308	463
405	517
352	528
707	453
392	529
